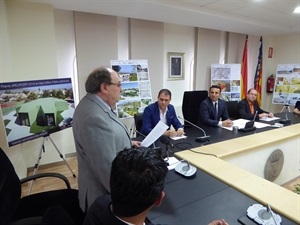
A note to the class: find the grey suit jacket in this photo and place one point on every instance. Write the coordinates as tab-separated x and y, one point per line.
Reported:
99	135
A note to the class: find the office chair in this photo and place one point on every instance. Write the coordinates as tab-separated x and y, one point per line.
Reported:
232	108
191	103
138	121
29	210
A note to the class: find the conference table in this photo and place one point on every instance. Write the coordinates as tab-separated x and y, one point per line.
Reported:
220	189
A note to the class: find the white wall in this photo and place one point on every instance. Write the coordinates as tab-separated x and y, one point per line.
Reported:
39	42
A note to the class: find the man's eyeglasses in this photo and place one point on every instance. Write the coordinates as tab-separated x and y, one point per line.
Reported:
116	84
253	94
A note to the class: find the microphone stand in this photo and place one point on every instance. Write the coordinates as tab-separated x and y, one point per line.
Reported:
198	139
168	151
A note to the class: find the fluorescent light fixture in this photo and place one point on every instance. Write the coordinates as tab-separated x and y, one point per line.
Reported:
297	9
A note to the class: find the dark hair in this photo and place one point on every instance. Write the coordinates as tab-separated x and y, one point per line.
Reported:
96	78
166	92
215	86
137	180
250	90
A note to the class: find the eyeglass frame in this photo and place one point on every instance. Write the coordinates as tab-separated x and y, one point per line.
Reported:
115	84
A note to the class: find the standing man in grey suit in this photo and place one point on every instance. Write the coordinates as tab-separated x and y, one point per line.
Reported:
213	110
98	134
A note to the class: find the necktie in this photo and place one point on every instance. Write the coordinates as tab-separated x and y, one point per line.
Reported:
216	110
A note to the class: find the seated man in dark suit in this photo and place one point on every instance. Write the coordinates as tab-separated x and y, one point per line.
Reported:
213	111
137	183
164	111
249	105
296	110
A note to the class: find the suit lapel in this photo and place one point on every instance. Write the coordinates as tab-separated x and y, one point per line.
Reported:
110	113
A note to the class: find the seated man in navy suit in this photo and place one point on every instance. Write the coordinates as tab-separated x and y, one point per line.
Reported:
213	111
164	111
297	108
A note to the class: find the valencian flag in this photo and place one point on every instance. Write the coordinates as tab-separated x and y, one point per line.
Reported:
258	73
244	72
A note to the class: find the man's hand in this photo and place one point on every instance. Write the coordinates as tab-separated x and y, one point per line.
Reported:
170	133
180	132
227	123
136	144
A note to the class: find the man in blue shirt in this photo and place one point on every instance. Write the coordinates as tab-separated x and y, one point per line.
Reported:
164	111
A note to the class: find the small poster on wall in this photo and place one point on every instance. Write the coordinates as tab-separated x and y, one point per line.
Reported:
136	89
287	84
228	77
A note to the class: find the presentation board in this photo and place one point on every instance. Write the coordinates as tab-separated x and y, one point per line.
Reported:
136	88
287	84
36	108
228	76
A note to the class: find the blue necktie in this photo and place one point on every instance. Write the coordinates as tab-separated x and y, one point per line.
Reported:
216	110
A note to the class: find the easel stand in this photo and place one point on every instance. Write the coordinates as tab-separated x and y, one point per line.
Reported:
286	108
285	121
36	166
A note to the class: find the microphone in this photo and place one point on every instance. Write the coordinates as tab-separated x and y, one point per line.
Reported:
198	139
154	146
255	115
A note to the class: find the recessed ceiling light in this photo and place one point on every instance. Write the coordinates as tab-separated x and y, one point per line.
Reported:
297	9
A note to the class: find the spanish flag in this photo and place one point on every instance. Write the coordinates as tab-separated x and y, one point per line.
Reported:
258	73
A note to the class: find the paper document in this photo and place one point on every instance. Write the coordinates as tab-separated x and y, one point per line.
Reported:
178	137
261	125
156	132
173	162
240	123
269	118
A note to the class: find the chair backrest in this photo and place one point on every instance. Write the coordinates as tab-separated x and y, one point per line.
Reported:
232	108
191	103
10	189
138	121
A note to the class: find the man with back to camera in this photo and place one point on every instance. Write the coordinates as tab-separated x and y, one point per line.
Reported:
164	111
98	134
213	110
137	182
249	105
296	110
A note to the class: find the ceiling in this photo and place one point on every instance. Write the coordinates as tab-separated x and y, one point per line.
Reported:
253	17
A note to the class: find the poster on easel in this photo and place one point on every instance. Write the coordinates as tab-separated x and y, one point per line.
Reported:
36	108
228	77
136	88
287	84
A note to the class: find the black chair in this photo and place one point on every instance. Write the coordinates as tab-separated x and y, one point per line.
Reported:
191	103
233	110
138	121
29	210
